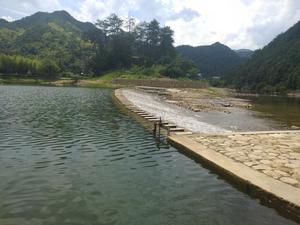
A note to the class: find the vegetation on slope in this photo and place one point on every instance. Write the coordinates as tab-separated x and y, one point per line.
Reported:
275	68
56	37
212	60
245	53
72	48
26	67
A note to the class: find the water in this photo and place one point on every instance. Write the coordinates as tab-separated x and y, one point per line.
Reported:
69	156
202	122
171	113
284	110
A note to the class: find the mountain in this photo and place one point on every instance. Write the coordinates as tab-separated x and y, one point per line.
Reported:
3	23
244	53
61	18
274	68
56	36
212	60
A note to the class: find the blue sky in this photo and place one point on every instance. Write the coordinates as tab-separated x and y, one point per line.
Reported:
236	23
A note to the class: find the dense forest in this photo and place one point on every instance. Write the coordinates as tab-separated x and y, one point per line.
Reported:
58	41
275	68
53	36
27	67
244	53
145	44
215	59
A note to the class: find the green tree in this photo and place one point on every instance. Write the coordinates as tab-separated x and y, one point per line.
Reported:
130	24
180	68
111	26
166	44
152	40
48	69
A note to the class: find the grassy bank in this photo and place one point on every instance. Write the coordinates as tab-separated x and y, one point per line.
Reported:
107	80
24	81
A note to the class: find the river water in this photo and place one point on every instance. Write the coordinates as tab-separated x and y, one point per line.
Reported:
70	156
284	110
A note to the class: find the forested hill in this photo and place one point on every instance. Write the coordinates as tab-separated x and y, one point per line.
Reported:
212	60
275	68
245	53
53	36
61	18
53	44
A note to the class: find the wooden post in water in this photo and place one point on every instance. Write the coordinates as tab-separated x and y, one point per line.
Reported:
154	128
159	125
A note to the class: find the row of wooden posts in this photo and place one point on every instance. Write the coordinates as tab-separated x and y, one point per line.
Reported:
158	123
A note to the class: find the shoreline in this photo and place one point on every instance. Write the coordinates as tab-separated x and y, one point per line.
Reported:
58	83
275	193
92	83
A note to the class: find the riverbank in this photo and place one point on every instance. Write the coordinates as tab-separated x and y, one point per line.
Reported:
94	83
269	169
127	79
109	80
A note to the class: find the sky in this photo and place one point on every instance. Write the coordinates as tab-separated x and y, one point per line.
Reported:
237	23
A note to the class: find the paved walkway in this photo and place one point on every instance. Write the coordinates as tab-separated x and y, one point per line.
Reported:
266	160
274	154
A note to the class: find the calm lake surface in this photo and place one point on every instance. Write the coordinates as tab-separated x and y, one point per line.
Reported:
69	156
284	110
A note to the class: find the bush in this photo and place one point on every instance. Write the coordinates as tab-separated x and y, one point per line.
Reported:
180	68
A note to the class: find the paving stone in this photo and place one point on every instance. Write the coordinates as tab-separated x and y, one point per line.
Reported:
289	180
254	156
266	162
296	174
295	162
272	174
250	164
282	173
261	167
283	161
291	165
275	154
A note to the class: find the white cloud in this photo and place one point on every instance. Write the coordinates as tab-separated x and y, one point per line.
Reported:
27	7
7	18
91	10
237	23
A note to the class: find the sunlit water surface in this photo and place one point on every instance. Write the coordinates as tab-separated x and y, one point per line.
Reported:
284	110
69	156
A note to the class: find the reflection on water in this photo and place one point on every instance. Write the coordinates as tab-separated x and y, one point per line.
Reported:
285	110
69	156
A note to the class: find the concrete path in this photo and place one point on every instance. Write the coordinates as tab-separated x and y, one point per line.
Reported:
265	162
276	154
277	193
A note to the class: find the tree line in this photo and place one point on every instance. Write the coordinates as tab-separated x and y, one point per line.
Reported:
274	68
121	43
48	50
26	67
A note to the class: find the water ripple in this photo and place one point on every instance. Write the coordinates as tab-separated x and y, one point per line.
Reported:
69	156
